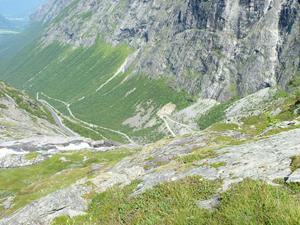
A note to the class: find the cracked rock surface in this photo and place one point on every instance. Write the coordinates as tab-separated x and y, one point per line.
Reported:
67	201
266	159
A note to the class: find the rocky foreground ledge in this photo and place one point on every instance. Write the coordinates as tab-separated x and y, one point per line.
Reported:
267	159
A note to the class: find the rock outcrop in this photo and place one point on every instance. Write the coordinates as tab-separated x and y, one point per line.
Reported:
22	117
266	159
68	201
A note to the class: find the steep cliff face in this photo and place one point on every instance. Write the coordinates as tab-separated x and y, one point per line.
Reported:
216	48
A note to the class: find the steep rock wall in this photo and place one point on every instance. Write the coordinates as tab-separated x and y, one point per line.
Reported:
212	48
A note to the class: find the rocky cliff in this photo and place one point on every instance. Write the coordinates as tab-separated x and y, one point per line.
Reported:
211	48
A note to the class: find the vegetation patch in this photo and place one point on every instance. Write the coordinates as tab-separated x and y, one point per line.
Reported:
249	202
224	126
217	164
31	155
255	202
33	182
155	163
281	94
295	82
294	188
197	155
223	140
169	203
289	107
295	164
74	75
214	115
2	106
254	125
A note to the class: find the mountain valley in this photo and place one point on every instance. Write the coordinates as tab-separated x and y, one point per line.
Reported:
152	112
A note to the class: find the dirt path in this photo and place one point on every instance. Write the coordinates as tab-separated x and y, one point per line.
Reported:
180	124
168	126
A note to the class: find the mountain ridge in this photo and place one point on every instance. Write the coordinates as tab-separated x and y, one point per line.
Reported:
11	24
259	33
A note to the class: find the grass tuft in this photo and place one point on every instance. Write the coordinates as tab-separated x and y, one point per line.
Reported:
197	155
33	182
169	203
214	115
295	163
31	155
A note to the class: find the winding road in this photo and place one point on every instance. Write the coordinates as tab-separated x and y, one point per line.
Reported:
56	118
180	124
90	125
165	119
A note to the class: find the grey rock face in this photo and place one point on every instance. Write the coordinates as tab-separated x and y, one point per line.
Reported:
16	123
8	202
289	45
215	49
266	159
13	161
253	104
294	177
67	201
209	203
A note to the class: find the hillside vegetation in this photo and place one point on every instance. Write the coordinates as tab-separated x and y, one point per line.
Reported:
66	75
176	203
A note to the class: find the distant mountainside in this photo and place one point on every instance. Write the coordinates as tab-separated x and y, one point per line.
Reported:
12	24
216	49
5	23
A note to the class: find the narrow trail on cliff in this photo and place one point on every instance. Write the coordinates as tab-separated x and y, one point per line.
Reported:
180	124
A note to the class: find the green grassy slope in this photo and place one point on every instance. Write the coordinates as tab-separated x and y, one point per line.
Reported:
13	43
249	202
33	182
69	74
